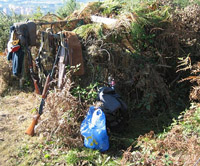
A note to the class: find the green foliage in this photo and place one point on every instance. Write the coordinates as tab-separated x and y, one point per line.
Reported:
38	14
5	22
89	157
84	30
179	133
147	18
47	156
185	3
69	7
23	151
146	102
110	7
88	94
191	125
132	5
167	161
72	157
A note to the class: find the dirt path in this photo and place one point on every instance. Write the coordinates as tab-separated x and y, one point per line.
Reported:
15	117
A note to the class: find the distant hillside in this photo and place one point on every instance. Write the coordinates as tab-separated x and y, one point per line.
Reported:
26	7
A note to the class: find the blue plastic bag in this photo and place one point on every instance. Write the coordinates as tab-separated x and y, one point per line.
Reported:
93	129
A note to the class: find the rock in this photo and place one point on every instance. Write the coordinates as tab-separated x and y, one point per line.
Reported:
3	115
21	118
2	128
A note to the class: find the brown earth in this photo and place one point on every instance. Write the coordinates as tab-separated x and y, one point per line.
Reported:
15	117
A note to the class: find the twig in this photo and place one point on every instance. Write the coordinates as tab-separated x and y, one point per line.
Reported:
167	66
197	162
107	53
176	79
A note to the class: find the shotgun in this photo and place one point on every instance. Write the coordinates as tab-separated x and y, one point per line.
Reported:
58	22
30	130
35	81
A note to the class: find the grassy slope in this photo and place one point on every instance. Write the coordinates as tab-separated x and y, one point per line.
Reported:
178	145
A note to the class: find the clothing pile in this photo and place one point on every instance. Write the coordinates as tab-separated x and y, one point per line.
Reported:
23	37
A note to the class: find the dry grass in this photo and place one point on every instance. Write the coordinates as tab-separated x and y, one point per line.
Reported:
62	116
5	74
14	119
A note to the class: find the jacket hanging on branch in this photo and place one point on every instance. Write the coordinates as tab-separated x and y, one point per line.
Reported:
75	51
21	35
17	61
26	33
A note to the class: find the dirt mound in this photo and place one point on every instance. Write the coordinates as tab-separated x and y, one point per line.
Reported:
141	50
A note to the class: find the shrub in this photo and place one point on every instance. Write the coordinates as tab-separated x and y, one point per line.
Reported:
5	22
69	7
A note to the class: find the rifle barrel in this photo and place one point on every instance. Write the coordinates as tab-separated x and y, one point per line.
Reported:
57	22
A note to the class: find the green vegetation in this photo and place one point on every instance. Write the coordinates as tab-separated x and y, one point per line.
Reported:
69	7
178	139
85	30
88	94
5	23
37	15
185	3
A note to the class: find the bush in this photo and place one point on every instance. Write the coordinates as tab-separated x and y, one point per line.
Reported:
5	22
62	120
69	7
5	74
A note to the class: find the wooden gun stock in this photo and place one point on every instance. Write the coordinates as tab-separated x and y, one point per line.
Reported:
30	130
37	90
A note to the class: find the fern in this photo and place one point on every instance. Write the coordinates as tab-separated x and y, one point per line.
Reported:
69	7
85	30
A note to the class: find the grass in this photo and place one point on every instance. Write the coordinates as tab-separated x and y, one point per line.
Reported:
33	156
84	30
175	146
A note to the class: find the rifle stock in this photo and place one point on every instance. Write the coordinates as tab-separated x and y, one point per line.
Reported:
37	89
30	130
35	82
